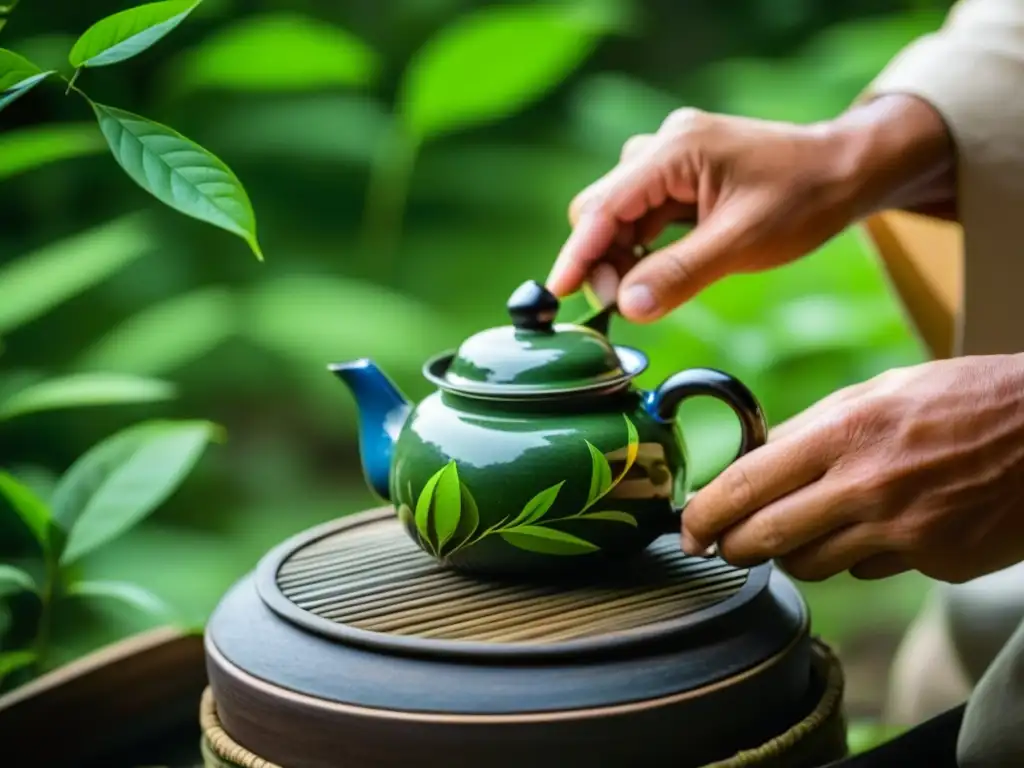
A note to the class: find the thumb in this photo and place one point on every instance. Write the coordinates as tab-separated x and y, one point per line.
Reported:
676	273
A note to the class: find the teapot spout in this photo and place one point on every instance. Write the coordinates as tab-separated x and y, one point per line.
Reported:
383	410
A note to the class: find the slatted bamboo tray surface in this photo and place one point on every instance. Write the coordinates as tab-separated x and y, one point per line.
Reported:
372	578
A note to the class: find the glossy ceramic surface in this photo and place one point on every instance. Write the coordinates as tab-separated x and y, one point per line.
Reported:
536	452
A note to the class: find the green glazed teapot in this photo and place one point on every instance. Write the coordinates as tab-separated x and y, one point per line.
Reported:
537	452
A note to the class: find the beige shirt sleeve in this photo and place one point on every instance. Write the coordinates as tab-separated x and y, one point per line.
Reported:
972	72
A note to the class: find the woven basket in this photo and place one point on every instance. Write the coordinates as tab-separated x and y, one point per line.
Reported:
817	740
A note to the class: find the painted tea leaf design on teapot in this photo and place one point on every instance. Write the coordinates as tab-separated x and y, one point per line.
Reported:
446	517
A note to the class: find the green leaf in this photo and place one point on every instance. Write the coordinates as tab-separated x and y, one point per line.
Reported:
618	517
547	541
282	51
128	33
424	509
12	661
632	449
84	389
469	520
26	149
33	285
132	595
202	320
124	478
600	474
406	516
489	64
447	505
18	76
538	506
28	507
13	581
178	172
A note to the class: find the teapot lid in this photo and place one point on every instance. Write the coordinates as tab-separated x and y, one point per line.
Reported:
535	356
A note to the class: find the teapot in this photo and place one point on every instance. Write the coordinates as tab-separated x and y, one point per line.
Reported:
537	451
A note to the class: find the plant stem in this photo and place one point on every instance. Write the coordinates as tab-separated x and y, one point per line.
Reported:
387	194
71	82
47	595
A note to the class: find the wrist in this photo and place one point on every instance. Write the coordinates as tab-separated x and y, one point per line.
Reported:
895	152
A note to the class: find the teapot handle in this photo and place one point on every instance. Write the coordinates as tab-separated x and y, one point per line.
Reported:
663	403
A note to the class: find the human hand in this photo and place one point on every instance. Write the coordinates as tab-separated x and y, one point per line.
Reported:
919	468
762	194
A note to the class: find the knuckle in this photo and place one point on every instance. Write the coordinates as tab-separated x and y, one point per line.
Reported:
634	145
685	119
737	487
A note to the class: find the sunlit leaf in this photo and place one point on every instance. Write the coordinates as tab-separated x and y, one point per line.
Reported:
131	595
179	173
123	479
165	336
128	33
14	581
26	149
34	284
84	389
490	64
12	661
469	520
447	505
600	474
18	76
282	51
28	507
547	541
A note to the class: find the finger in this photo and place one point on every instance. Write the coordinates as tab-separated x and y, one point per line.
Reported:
590	240
791	522
653	223
882	566
626	184
752	482
678	272
834	553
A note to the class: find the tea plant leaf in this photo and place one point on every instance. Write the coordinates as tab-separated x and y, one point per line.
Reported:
132	595
128	33
122	479
26	149
538	506
34	284
279	52
424	508
12	661
600	475
178	172
447	505
202	320
84	389
547	541
406	516
469	520
489	64
28	507
13	581
18	76
618	517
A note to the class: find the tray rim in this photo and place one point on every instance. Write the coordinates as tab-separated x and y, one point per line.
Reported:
265	582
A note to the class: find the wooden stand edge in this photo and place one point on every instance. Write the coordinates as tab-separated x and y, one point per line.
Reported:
126	692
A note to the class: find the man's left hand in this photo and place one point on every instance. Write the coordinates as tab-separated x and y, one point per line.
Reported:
920	468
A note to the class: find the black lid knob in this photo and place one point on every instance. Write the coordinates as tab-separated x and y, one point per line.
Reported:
532	307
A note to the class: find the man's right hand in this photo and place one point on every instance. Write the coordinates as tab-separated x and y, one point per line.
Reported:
762	194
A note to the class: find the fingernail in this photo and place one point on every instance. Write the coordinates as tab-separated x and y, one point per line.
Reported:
605	282
637	300
690	545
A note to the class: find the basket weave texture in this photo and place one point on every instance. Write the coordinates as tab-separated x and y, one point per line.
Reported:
816	741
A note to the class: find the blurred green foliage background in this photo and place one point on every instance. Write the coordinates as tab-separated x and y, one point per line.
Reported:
380	247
